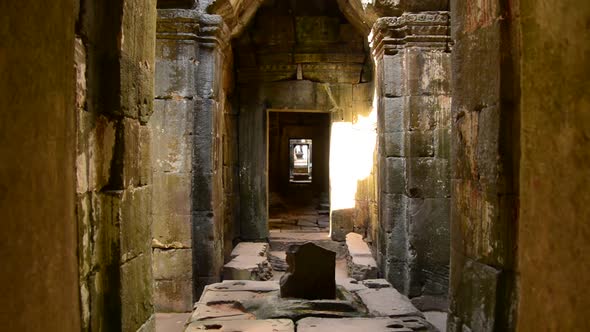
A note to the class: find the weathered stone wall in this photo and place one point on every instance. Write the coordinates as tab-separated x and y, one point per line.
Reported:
302	43
411	241
114	58
207	202
283	126
172	128
255	100
553	227
485	153
194	155
39	279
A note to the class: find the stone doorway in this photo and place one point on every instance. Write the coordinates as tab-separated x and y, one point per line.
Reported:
298	196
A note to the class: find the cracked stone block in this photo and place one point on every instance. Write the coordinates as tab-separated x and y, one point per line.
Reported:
270	325
387	302
403	324
360	261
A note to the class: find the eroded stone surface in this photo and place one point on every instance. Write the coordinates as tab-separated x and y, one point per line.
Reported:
271	325
387	302
311	273
405	324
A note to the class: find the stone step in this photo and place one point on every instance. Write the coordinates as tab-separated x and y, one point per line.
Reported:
361	264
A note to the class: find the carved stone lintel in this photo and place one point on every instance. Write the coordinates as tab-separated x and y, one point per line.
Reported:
177	24
429	30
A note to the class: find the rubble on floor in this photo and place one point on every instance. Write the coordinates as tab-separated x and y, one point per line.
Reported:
249	262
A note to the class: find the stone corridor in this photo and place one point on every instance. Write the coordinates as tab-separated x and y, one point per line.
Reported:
294	165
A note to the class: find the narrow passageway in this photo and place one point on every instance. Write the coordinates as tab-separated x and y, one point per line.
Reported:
160	165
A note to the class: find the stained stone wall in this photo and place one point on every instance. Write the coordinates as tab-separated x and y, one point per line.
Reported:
194	155
172	127
411	240
39	279
553	227
485	158
114	60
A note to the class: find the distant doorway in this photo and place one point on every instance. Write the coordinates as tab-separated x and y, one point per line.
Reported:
300	166
298	170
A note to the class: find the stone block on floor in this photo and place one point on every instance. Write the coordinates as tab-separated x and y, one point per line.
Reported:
250	249
247	268
387	302
361	264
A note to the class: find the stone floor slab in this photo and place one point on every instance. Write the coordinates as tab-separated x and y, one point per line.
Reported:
406	324
271	325
387	302
245	285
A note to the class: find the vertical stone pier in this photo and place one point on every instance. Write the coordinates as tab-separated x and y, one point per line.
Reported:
207	209
412	59
173	139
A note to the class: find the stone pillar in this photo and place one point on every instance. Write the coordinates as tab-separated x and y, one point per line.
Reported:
172	135
207	191
412	59
486	156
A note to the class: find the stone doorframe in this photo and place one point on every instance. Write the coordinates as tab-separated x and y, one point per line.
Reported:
410	43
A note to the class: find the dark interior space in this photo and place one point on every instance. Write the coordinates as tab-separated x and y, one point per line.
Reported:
289	199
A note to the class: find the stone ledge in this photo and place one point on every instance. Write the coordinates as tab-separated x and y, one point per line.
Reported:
405	324
249	262
360	261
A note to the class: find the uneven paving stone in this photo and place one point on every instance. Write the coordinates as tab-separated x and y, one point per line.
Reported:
361	264
219	311
311	274
381	324
273	306
270	325
226	301
387	302
222	301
